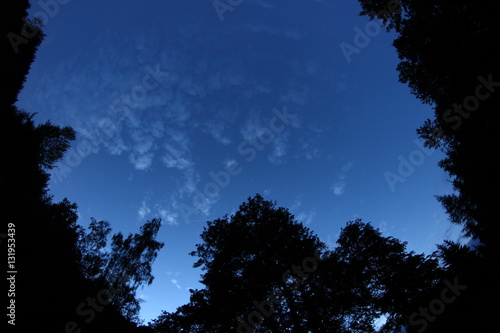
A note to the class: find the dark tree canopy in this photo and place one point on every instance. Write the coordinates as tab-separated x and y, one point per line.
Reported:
263	271
19	40
261	259
244	257
126	266
54	285
450	60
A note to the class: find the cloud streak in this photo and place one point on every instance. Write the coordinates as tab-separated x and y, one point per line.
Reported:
339	185
208	88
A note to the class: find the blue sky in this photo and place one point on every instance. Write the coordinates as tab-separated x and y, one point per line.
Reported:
182	112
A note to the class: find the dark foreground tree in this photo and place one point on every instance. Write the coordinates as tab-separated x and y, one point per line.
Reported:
20	37
126	266
265	272
369	279
465	299
51	284
51	290
450	60
246	257
48	290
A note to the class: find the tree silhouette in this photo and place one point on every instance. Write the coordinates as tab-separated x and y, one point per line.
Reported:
449	61
126	266
265	272
19	39
49	258
383	278
53	291
244	258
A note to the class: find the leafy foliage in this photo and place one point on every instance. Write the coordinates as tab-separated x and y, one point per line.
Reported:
262	259
448	60
57	274
126	266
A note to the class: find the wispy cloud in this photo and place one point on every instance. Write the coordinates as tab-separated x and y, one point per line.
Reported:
175	283
218	126
143	210
143	296
167	211
217	132
382	226
303	216
279	149
306	217
230	163
174	280
339	185
168	216
258	131
209	90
